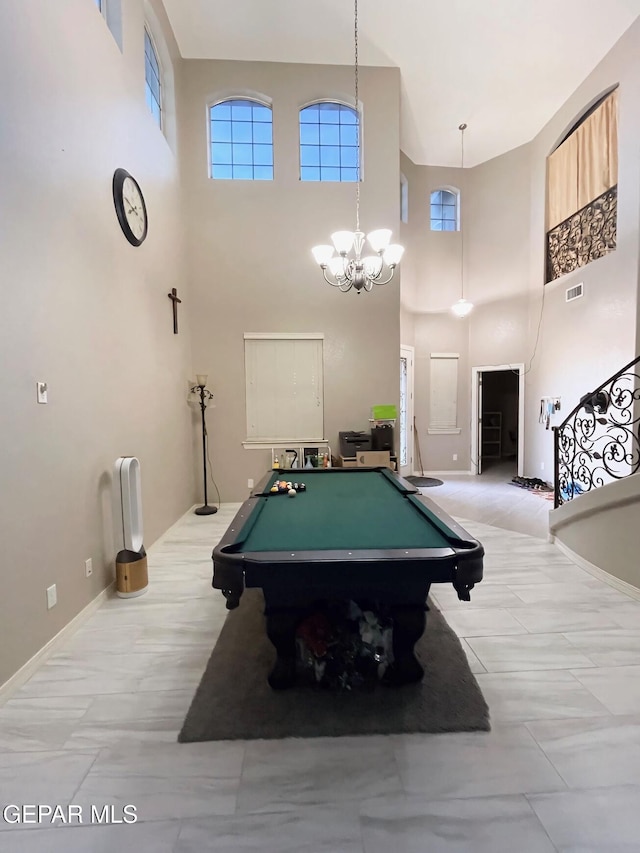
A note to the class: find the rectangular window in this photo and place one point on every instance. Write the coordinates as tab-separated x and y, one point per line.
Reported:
443	396
404	199
284	386
152	79
112	13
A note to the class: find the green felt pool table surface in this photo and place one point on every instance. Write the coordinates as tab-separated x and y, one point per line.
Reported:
343	509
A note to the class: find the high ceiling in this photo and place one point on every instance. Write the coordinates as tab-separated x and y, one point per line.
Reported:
503	66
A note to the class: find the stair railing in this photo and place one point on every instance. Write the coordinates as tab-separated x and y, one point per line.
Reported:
600	440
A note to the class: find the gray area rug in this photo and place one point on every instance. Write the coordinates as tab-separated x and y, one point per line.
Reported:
423	482
234	700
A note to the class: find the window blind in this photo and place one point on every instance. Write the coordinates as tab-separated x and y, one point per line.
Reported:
443	412
284	387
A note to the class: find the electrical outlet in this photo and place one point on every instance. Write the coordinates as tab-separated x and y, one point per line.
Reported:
455	457
52	597
249	483
542	466
88	568
42	391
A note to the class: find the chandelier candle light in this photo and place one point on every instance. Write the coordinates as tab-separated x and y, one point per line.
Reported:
348	268
462	307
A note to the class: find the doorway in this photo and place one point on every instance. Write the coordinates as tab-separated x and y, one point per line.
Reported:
497	404
405	454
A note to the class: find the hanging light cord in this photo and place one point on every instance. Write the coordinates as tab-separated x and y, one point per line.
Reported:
462	129
355	271
355	32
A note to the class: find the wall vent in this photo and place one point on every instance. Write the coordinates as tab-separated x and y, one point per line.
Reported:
574	292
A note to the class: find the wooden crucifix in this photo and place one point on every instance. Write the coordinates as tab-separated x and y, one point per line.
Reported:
173	296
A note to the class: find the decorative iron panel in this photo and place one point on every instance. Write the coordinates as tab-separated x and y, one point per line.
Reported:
583	237
600	440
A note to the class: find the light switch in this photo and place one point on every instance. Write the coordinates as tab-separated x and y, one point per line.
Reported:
42	391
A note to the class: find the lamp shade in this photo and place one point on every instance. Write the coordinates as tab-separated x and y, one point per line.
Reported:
392	254
201	379
322	254
379	240
338	266
372	265
343	241
462	307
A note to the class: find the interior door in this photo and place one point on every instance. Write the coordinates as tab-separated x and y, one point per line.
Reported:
405	449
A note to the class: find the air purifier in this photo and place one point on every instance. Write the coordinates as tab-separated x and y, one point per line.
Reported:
132	577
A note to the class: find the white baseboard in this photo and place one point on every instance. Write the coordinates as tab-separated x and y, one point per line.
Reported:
440	473
597	572
10	687
25	672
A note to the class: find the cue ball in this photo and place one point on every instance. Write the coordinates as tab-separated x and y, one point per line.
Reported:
292	493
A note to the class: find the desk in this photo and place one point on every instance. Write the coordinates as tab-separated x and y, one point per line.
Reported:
355	533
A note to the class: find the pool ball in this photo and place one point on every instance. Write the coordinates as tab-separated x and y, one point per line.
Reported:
292	493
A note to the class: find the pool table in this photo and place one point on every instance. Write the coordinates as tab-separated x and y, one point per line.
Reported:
355	533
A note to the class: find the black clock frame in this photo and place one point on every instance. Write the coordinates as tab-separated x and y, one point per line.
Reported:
119	177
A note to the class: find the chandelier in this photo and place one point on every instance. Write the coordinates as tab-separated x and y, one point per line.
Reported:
462	307
348	268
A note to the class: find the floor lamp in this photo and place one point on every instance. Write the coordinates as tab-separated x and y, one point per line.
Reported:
199	388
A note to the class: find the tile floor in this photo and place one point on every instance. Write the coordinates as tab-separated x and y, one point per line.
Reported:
556	653
493	499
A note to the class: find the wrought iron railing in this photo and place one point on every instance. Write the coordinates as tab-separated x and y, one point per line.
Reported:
599	442
584	236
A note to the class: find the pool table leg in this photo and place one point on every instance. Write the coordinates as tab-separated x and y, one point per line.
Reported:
408	626
281	627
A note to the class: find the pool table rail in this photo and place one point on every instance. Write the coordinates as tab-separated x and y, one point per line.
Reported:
461	563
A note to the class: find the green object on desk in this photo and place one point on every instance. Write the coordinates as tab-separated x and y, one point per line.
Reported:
384	413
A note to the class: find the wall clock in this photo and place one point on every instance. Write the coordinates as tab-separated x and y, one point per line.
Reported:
130	207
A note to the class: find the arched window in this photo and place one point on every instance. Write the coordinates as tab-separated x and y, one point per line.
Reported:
444	210
153	86
241	136
329	142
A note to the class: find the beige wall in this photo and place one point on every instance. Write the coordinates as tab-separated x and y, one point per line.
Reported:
431	266
601	528
584	342
441	333
495	212
82	310
498	243
250	262
407	327
567	349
